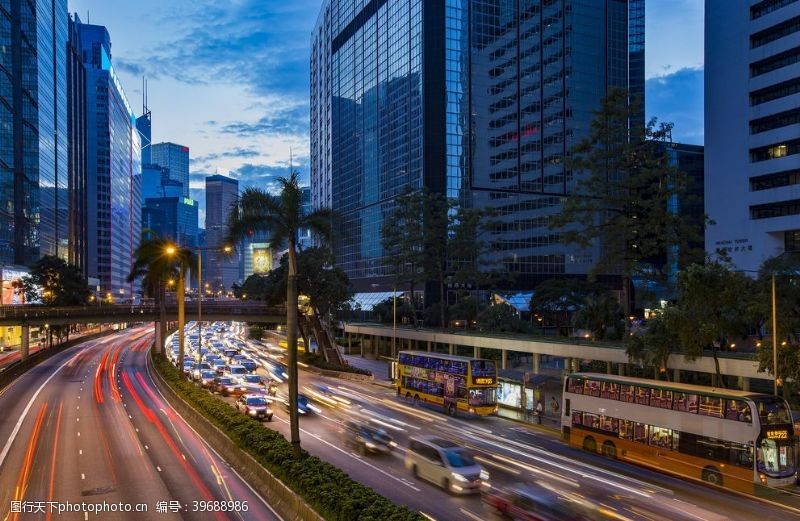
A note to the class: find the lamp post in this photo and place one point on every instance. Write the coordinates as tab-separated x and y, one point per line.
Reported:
774	337
226	249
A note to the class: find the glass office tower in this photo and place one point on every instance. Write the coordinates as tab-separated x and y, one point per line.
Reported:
33	130
480	100
176	158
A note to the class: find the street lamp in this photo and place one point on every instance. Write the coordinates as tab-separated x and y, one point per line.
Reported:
227	249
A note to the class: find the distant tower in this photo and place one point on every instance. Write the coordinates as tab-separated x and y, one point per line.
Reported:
144	125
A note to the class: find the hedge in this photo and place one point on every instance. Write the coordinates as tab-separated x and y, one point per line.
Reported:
327	489
318	361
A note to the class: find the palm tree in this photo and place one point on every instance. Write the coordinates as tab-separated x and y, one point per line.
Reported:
157	260
281	216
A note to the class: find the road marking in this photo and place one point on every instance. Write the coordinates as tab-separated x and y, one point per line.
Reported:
78	407
146	447
80	452
79	434
159	468
24	414
86	516
83	476
77	419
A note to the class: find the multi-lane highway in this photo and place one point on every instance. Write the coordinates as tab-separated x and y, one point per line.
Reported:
89	426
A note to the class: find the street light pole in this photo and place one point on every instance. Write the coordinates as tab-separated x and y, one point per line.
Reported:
774	337
200	302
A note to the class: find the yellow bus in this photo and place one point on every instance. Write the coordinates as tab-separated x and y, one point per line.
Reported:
301	345
731	439
454	383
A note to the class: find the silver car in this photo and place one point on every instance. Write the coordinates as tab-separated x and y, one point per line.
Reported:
445	464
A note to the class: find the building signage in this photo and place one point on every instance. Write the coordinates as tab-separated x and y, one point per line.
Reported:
262	260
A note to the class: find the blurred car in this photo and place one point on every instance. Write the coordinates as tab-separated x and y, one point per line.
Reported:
219	366
255	406
278	371
237	370
304	405
198	369
366	438
542	502
188	367
225	385
248	364
207	378
445	464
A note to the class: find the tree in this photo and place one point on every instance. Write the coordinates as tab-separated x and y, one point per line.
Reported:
623	197
599	313
713	309
154	266
653	345
558	300
503	319
282	217
786	270
255	287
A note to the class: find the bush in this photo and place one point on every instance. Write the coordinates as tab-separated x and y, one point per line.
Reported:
256	332
319	361
330	491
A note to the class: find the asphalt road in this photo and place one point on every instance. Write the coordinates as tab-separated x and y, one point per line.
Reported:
511	452
88	425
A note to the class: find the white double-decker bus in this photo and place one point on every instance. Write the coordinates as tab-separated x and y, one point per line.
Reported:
732	439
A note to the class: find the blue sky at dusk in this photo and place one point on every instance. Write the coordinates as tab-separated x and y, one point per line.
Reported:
230	79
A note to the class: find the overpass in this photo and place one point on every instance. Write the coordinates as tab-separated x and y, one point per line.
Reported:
240	311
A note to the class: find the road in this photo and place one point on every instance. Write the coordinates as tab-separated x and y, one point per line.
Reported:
88	425
511	452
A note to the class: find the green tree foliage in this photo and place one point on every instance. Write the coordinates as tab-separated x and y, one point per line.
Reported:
625	184
55	283
653	344
254	287
601	314
557	301
502	318
282	217
713	309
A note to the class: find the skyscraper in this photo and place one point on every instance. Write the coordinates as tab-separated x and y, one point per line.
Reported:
33	130
76	154
114	154
176	158
476	100
221	270
752	144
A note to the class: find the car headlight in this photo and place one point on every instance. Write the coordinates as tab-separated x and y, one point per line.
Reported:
370	445
253	412
459	477
484	475
392	444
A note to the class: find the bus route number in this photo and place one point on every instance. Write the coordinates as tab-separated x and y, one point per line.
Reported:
778	435
484	381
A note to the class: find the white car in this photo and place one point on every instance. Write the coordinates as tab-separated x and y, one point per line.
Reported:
445	464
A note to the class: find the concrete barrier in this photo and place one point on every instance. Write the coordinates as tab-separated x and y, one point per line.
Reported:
286	502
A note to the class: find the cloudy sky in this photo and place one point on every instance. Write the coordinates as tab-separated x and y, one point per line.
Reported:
230	79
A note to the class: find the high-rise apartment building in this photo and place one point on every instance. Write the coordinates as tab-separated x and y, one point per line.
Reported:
33	130
752	129
222	269
176	158
114	167
77	177
473	99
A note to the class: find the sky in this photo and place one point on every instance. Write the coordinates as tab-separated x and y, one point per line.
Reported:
230	79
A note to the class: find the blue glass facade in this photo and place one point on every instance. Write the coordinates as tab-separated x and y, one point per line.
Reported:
33	130
480	100
174	157
173	218
114	168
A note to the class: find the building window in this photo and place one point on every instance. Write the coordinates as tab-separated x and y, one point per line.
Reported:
773	121
792	241
779	209
775	151
767	6
776	180
779	90
775	32
774	62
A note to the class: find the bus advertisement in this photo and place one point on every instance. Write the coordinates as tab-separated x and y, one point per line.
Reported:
731	439
454	383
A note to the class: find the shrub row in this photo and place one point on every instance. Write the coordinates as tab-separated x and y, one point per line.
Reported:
319	361
329	490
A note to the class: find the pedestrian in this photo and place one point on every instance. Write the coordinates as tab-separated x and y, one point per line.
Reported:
554	405
539	411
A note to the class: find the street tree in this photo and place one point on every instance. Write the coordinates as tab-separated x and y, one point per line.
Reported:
556	301
503	319
625	184
653	344
599	313
282	216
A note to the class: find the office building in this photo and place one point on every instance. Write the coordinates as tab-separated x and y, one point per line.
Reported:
77	177
33	130
473	99
172	217
156	182
752	129
222	269
176	159
114	168
144	124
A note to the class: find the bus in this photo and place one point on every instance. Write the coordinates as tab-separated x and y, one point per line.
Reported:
454	383
731	439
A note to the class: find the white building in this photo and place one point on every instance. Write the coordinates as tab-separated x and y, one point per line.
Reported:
752	128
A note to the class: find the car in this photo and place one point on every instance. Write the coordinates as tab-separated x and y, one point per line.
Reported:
444	463
366	438
255	406
219	366
198	369
237	370
188	367
304	405
207	378
253	379
249	364
541	501
225	385
278	371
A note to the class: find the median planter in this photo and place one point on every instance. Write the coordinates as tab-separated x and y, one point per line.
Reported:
297	485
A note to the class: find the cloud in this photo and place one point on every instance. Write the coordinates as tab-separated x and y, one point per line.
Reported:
236	152
678	98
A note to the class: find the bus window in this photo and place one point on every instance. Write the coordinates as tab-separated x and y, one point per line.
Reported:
609	424
711	406
640	431
609	390
575	385
738	410
627	393
577	418
626	429
661	437
591	388
684	402
643	395
772	411
591	420
661	398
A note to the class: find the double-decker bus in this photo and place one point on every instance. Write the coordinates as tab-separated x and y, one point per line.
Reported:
455	383
732	439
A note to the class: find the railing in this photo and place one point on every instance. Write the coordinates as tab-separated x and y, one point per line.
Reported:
38	312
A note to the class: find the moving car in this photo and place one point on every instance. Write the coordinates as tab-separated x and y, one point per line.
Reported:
207	378
237	370
445	464
304	405
544	502
225	385
255	406
248	364
367	438
198	369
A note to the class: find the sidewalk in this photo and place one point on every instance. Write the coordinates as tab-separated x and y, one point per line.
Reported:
378	368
